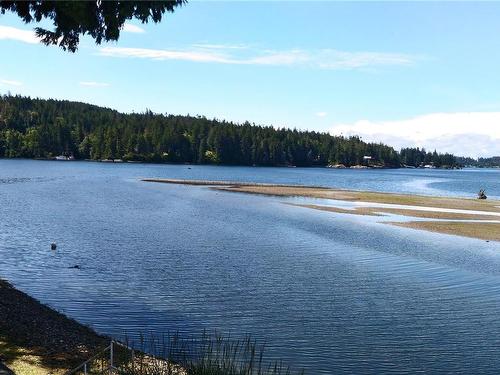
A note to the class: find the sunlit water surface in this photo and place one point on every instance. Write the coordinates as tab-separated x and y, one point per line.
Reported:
330	293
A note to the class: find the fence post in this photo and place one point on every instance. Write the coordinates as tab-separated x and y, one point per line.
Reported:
85	368
133	360
111	358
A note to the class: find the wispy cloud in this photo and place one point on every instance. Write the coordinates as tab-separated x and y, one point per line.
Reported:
244	55
21	35
10	82
221	46
462	133
131	28
321	114
93	84
155	54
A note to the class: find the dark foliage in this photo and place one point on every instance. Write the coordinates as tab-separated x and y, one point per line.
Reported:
37	128
493	162
417	157
102	20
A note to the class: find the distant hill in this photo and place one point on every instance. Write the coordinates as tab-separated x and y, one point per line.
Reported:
40	128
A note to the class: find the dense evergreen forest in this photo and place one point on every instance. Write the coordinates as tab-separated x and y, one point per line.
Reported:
417	157
493	162
38	128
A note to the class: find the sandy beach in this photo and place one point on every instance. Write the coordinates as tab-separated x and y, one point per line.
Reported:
447	215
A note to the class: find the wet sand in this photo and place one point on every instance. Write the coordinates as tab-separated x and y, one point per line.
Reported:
380	211
433	208
483	231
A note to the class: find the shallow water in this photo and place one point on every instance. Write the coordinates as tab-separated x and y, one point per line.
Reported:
327	292
353	205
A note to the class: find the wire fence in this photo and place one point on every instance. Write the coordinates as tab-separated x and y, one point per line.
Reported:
107	361
120	359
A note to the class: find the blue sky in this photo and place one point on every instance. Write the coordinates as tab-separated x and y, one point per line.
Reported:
424	74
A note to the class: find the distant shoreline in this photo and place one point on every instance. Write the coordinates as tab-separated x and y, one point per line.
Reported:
353	167
458	216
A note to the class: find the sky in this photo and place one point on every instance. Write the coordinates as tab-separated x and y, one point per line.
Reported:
423	74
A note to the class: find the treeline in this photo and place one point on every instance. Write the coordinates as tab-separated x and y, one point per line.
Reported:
38	128
417	157
493	162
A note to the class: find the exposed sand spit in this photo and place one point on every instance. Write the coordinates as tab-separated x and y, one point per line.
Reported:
469	210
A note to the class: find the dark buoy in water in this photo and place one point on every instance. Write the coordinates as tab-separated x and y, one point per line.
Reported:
53	246
76	266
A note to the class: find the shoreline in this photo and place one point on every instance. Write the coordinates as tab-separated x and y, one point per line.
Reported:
36	339
468	212
327	166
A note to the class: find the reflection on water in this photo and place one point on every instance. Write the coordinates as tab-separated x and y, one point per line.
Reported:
330	293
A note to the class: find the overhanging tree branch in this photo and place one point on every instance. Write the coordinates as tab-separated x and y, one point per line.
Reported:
102	20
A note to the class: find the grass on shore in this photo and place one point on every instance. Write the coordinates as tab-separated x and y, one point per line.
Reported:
207	354
25	361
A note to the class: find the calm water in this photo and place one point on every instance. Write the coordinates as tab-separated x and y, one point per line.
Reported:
327	292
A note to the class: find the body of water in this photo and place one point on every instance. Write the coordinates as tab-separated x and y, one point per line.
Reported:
330	293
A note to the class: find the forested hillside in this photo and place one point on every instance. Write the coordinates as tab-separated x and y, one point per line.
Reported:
493	162
416	157
37	128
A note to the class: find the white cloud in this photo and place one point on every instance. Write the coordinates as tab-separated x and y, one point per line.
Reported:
12	33
144	53
333	59
94	84
130	28
321	114
463	133
243	55
10	82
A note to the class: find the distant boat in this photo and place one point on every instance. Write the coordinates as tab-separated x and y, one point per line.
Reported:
112	161
429	166
64	158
